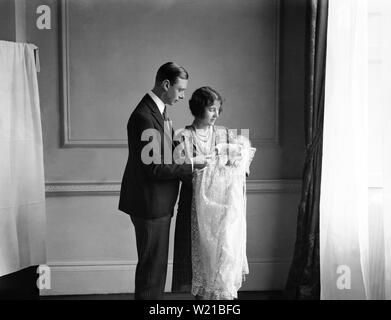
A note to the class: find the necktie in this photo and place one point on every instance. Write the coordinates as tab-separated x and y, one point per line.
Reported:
167	122
165	114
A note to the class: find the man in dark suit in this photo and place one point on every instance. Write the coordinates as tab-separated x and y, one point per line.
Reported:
150	183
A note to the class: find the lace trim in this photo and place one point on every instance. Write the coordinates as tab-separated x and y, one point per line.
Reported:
218	228
199	289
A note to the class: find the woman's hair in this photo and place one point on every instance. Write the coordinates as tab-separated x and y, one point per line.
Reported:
171	71
202	98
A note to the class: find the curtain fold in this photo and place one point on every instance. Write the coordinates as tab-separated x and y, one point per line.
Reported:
304	275
22	187
344	204
387	187
386	70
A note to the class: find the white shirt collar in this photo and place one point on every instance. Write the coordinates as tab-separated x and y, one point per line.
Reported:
160	104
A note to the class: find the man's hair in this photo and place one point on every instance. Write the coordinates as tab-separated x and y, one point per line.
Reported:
202	98
171	71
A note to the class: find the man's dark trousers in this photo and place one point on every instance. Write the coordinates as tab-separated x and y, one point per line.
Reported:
152	237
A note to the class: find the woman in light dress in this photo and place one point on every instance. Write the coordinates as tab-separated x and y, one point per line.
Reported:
210	234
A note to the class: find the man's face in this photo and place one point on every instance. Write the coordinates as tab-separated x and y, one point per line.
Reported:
176	91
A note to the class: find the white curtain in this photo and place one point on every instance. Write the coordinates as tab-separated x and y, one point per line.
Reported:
22	187
387	189
344	188
355	214
381	260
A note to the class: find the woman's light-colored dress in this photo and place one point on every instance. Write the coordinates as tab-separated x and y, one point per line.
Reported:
218	218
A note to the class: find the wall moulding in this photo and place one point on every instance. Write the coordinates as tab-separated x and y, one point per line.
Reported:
70	139
113	188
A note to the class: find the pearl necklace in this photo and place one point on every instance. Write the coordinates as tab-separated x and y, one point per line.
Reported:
203	137
202	140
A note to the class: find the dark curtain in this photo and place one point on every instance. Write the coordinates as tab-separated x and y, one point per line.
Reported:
304	275
20	285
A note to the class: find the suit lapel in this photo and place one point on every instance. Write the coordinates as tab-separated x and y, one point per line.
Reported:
156	114
155	110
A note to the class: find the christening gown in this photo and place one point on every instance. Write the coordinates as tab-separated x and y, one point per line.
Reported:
218	222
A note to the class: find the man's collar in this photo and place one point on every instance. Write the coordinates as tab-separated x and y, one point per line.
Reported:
160	104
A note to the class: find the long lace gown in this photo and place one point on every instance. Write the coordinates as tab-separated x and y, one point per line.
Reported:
218	224
218	219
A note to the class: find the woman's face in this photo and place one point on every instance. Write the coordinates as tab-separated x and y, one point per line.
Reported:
211	113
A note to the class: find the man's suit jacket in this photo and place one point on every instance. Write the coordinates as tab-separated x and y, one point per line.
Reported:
149	190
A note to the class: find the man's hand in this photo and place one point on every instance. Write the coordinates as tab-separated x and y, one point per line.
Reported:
201	159
199	166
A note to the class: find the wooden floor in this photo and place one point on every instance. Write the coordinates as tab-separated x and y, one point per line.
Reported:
242	295
21	285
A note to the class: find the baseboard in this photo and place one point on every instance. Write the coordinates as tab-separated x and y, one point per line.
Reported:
56	189
72	278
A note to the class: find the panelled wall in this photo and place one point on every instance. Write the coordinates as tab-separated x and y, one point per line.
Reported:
100	57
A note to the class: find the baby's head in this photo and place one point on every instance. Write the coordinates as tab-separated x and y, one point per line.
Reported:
242	141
